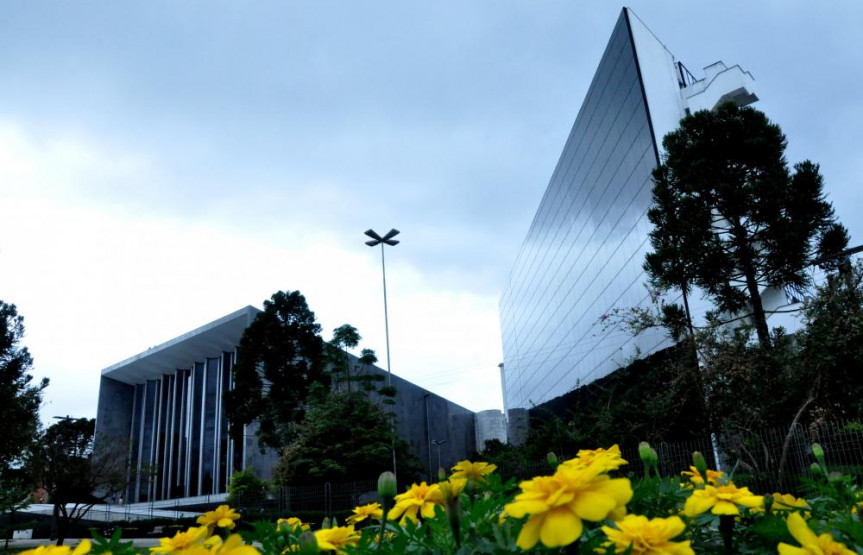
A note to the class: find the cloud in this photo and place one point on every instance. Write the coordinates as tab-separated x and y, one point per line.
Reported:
98	285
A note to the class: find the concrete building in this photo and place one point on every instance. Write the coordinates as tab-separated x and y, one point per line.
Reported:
167	403
583	254
490	424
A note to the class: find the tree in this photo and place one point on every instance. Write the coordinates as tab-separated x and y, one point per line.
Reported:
19	398
280	367
344	436
731	218
76	477
15	494
246	488
344	337
832	344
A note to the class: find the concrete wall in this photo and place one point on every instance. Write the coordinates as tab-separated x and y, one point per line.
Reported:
114	411
517	426
431	424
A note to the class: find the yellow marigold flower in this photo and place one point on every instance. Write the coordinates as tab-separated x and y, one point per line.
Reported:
721	500
418	499
647	536
292	522
183	541
788	503
82	548
222	517
811	544
337	538
476	471
234	546
453	487
372	510
557	504
608	459
695	478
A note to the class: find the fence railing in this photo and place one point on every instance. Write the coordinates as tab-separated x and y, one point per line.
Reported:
755	457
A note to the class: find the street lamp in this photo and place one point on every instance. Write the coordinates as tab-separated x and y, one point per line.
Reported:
385	240
375	241
438	443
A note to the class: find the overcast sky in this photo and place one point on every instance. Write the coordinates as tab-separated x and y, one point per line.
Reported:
164	163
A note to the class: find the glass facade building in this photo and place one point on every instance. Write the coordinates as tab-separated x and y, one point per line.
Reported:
166	404
162	409
583	254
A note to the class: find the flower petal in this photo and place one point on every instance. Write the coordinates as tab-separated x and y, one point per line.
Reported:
518	509
725	508
529	534
561	527
785	549
620	489
674	526
697	504
800	530
593	506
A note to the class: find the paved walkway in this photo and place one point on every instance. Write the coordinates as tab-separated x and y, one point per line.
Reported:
18	545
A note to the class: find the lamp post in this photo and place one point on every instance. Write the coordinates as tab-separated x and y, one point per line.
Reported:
385	240
438	443
375	241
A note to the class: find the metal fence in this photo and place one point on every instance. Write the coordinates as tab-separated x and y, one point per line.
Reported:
754	456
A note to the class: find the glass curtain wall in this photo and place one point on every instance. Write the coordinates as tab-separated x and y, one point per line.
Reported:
179	433
583	254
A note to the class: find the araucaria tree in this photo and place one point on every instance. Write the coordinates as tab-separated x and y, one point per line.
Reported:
19	397
280	365
731	218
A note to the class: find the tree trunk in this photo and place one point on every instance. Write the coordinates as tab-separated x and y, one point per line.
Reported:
758	315
60	522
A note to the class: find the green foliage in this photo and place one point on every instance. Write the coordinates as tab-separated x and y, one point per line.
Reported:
350	372
280	360
246	487
654	398
113	545
344	337
731	218
14	496
344	436
74	475
19	397
832	343
474	521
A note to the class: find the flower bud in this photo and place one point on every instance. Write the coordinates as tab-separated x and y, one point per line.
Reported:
387	485
700	464
308	544
551	458
818	452
835	477
441	474
768	503
325	525
647	454
816	469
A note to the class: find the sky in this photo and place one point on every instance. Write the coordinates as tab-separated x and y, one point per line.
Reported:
165	163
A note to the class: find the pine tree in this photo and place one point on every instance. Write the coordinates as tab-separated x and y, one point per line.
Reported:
280	364
729	216
19	397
